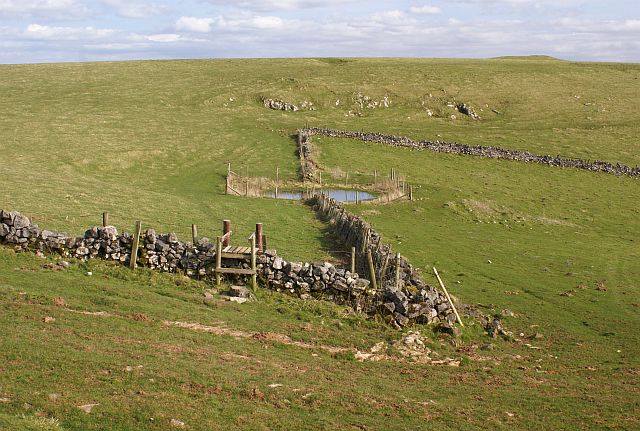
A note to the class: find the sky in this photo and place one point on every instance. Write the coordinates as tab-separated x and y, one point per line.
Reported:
37	31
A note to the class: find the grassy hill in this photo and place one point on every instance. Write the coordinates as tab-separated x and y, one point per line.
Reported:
150	141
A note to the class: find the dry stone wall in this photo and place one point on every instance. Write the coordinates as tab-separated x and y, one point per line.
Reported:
401	292
413	301
308	165
480	151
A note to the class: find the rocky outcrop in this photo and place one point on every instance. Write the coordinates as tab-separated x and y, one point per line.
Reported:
280	105
465	109
480	151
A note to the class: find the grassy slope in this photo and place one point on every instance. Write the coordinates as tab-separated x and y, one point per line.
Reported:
149	140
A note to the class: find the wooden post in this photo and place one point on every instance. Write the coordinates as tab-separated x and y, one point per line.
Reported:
398	271
277	180
218	260
357	197
226	228
383	272
320	179
403	187
135	244
194	233
254	277
105	219
246	187
228	168
372	271
259	236
375	177
353	260
411	193
453	307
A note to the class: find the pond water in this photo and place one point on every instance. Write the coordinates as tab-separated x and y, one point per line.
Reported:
337	194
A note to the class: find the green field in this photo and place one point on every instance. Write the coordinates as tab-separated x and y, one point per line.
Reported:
150	141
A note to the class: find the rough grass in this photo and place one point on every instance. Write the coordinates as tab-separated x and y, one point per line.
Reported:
150	141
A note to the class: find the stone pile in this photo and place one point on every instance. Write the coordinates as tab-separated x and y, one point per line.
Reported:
402	293
480	151
280	105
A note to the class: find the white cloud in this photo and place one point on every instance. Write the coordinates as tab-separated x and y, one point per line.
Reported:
264	5
55	9
389	16
164	37
45	32
425	10
134	8
267	22
245	23
189	23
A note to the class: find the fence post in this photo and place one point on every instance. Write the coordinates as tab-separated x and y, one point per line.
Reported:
226	228
435	271
218	259
254	277
259	236
277	181
357	197
372	271
411	193
320	179
353	260
194	233
398	271
135	244
105	219
375	177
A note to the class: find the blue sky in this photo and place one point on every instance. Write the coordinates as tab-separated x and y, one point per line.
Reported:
74	30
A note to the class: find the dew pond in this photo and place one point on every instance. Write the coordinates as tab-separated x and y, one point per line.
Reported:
337	194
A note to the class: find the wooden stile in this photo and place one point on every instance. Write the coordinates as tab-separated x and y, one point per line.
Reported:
259	236
226	228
